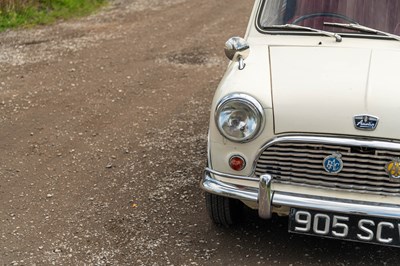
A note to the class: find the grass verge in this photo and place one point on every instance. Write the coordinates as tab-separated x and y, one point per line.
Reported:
16	13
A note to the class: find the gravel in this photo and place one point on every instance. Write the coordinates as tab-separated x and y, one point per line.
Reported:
103	138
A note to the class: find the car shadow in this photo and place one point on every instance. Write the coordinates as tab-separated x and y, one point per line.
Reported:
271	238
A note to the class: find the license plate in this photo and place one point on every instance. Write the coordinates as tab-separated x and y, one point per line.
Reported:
372	230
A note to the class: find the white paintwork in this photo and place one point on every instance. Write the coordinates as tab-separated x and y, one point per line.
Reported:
310	84
329	85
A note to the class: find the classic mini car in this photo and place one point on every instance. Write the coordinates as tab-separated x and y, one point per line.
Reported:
306	121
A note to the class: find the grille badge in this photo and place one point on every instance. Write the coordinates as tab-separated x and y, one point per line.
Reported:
365	122
333	163
393	168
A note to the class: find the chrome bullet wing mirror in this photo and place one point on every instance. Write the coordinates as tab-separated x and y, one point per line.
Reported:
237	50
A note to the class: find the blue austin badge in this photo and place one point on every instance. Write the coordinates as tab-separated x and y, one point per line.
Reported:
333	163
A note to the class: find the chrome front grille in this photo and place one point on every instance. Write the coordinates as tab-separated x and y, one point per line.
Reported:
292	161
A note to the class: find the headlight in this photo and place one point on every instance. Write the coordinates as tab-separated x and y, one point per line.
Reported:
239	117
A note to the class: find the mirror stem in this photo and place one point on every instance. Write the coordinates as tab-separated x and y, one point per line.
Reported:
241	63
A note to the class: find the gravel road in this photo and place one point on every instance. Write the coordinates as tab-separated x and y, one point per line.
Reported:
103	141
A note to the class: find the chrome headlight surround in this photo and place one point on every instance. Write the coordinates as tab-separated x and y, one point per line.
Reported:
239	117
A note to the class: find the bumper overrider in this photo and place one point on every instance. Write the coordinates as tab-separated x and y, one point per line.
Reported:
266	198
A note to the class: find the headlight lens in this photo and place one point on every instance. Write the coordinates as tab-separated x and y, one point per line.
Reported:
239	117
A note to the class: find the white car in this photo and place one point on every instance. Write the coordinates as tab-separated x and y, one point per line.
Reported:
306	120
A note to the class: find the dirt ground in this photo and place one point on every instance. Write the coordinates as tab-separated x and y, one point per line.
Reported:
103	142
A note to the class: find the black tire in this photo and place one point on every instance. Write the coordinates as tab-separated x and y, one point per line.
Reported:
224	211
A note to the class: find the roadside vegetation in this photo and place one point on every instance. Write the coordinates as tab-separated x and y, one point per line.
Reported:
15	13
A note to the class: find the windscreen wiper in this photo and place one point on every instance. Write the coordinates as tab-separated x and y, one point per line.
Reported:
362	28
298	27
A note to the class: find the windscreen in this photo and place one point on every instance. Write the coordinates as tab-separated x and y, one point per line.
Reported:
383	15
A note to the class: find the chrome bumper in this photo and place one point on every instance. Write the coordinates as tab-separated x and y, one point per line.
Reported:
267	198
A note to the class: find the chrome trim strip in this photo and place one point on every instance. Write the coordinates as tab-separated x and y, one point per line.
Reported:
336	141
335	205
270	198
339	189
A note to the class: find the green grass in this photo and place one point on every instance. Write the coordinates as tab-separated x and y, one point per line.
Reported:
16	13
